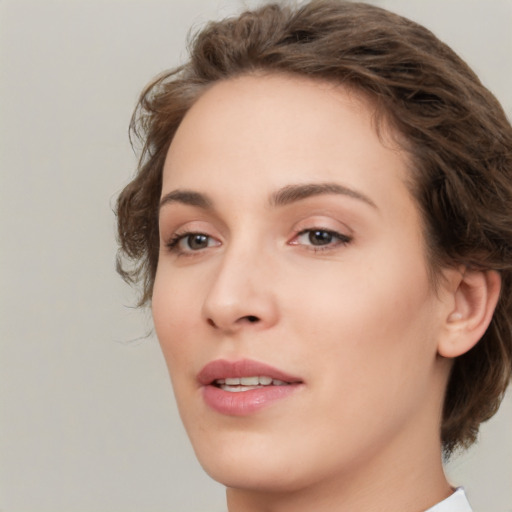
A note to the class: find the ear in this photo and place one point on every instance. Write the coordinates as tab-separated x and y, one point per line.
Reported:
475	295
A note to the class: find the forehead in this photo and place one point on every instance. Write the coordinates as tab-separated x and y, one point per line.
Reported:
282	129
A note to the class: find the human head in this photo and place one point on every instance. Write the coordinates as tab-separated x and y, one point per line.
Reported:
454	130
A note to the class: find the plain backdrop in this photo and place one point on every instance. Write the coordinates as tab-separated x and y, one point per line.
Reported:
87	418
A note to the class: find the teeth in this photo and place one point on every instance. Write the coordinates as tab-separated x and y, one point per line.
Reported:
250	381
236	384
238	389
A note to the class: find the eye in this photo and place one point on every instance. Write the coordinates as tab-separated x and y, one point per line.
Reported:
320	238
191	242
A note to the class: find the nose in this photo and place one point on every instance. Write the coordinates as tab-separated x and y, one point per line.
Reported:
241	294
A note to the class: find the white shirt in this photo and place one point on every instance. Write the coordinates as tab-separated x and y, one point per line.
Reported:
457	502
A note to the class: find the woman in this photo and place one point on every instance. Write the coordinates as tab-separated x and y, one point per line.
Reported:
322	224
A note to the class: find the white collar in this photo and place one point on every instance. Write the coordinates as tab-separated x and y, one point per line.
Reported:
457	502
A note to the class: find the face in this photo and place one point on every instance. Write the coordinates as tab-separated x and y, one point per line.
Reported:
292	261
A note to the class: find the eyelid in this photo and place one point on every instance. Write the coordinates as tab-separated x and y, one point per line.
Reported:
341	239
171	236
173	244
342	234
325	221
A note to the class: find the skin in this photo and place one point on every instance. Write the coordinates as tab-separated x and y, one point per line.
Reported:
357	319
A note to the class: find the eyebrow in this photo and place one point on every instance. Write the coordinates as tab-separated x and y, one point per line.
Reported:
188	197
284	196
293	193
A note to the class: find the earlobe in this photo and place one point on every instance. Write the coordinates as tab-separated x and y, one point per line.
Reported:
475	296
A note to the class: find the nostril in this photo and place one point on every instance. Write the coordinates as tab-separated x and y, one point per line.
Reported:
252	319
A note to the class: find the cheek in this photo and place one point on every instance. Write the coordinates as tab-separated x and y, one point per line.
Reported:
174	318
369	343
374	321
174	310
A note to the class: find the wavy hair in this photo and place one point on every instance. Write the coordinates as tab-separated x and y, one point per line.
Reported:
454	130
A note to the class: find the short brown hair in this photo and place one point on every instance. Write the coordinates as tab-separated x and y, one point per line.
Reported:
454	129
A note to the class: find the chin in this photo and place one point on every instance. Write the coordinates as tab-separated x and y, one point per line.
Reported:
250	464
269	478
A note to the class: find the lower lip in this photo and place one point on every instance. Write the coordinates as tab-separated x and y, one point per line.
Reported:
244	403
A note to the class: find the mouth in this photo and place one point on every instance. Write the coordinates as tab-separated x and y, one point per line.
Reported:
236	384
243	387
243	373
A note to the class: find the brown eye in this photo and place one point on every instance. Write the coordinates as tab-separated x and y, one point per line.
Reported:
196	241
182	243
320	237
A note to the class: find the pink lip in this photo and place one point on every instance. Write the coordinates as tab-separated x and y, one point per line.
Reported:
245	402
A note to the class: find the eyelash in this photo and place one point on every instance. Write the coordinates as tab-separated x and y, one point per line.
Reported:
173	245
338	239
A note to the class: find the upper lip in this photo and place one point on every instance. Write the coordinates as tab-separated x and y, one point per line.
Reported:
222	368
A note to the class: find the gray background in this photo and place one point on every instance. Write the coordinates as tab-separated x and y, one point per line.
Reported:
87	415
